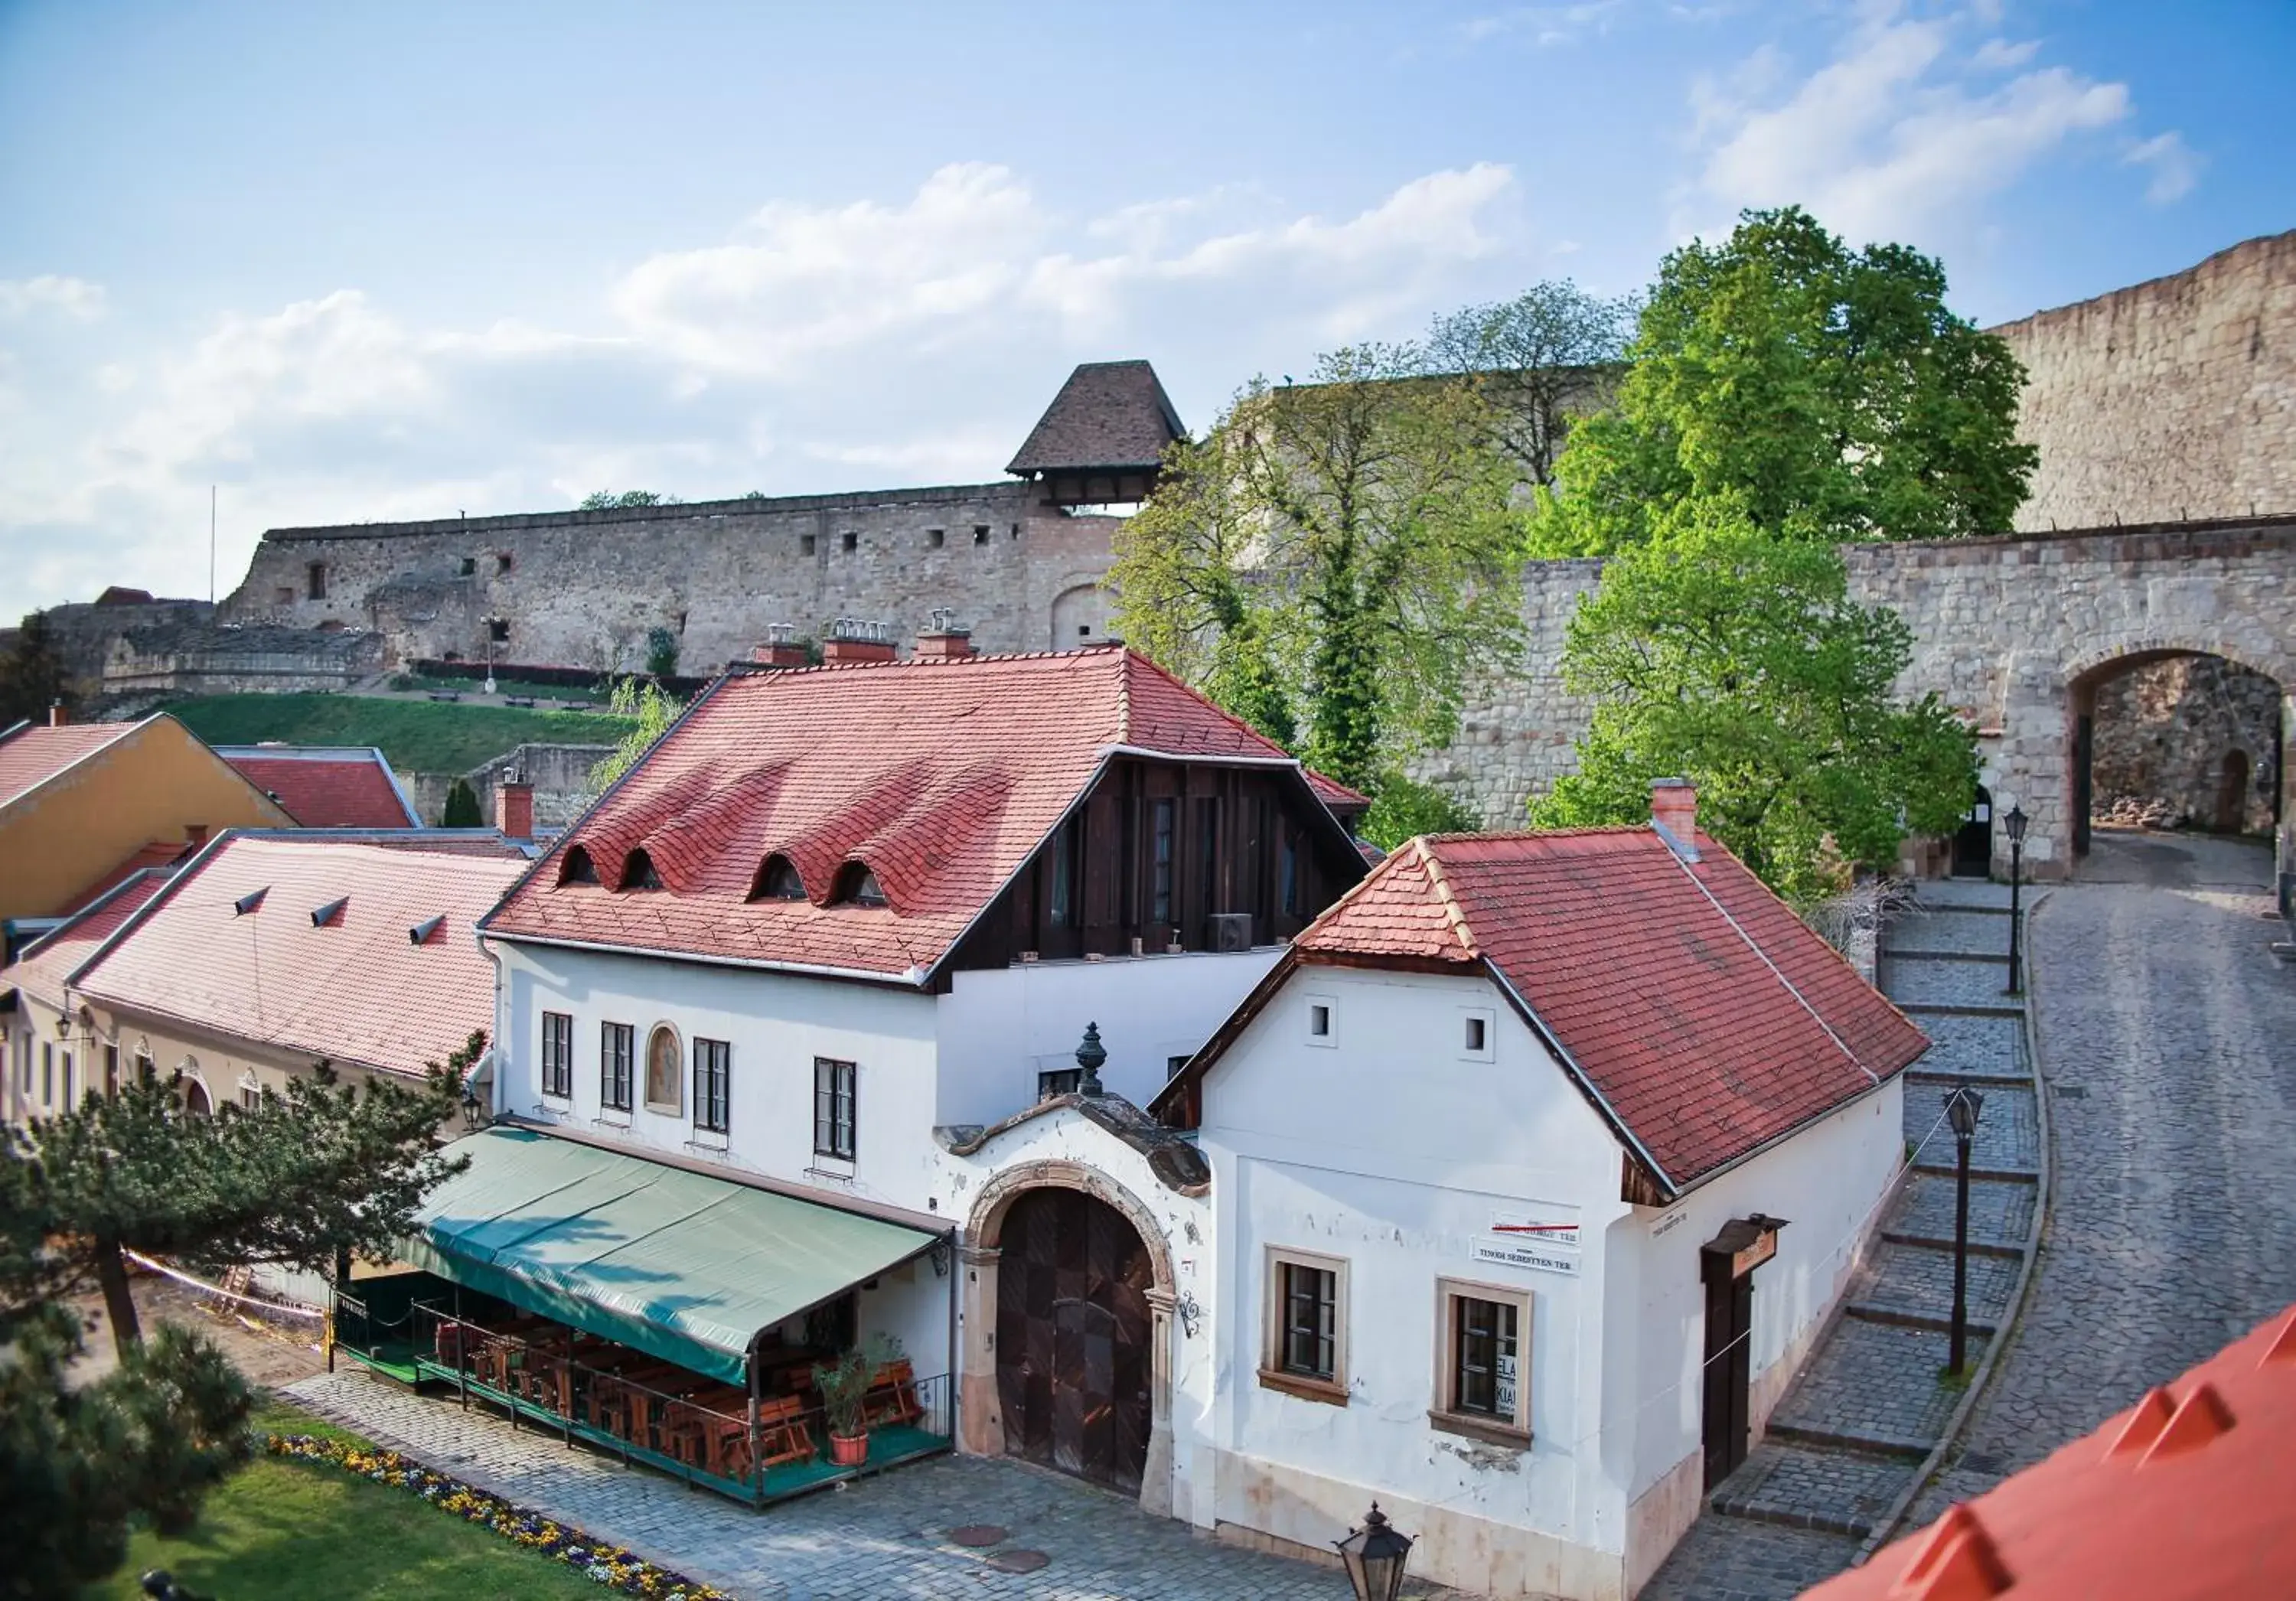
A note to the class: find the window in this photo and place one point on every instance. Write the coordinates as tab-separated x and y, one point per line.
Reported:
713	1085
558	1054
315	577
935	537
1173	1065
832	1108
498	630
1482	1370
578	868
1323	1019
1059	897
1304	1352
470	566
502	562
852	541
617	1055
663	1080
778	880
1084	630
1059	1081
857	885
1475	1035
1288	873
1159	898
980	533
111	1070
47	1073
805	544
638	873
1208	854
67	1102
251	1094
145	1067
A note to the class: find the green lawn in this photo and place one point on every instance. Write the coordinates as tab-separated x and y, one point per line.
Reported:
415	737
285	1530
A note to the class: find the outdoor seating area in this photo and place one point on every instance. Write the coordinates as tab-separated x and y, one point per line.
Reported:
622	1400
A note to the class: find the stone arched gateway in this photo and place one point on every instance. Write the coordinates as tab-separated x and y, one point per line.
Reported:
1114	1335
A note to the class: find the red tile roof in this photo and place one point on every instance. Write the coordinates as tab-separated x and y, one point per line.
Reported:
327	786
355	990
1335	795
31	757
2183	1497
942	775
158	853
42	967
1704	1015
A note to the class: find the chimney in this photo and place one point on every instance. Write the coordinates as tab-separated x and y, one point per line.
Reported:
858	639
1674	813
781	648
513	806
57	715
942	640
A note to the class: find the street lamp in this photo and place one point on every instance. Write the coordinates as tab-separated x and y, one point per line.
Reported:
2014	820
488	621
1962	1105
1374	1556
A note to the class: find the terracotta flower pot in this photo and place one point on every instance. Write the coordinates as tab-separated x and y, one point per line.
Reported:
849	1450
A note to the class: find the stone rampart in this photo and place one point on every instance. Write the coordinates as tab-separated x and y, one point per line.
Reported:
560	775
584	588
2168	401
197	659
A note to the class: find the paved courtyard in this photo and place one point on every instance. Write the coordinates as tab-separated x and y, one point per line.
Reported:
883	1539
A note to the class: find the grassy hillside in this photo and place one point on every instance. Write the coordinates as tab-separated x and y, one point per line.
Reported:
415	737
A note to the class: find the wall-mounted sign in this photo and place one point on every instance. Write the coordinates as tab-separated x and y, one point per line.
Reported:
1506	1253
1543	1239
1745	1260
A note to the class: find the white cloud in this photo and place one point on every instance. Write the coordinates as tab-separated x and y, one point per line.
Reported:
1890	138
74	298
2175	167
1542	25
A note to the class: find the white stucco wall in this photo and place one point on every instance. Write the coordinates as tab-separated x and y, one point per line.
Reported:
998	1029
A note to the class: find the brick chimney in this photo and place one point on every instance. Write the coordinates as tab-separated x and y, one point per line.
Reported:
57	715
1674	813
513	806
858	639
781	648
942	640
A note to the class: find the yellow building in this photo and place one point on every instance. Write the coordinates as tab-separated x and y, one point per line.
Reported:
82	806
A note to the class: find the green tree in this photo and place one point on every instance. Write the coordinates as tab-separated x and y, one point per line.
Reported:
1403	808
607	500
32	674
323	1168
461	807
1736	659
654	709
1549	352
661	651
1339	558
1829	392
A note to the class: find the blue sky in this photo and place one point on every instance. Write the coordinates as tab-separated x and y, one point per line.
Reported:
356	263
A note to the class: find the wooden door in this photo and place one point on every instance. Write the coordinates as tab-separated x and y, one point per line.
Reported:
1073	1338
1973	842
1729	1371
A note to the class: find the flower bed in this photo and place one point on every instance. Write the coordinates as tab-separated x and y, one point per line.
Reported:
609	1564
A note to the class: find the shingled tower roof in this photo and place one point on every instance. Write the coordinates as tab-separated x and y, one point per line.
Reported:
1109	416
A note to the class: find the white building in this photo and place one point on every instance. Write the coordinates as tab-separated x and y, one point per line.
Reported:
1536	1165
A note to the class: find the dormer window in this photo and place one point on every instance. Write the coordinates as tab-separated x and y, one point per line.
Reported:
856	885
578	868
638	873
778	879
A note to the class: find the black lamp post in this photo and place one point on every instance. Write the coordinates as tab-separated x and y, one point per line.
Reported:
2014	820
1962	1105
1373	1556
1089	1057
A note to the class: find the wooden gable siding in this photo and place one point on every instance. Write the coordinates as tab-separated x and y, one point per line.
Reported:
1228	828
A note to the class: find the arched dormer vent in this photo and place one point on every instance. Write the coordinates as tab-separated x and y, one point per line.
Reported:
778	879
638	872
857	885
576	868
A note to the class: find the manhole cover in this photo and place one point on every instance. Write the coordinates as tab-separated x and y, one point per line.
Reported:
978	1535
1018	1562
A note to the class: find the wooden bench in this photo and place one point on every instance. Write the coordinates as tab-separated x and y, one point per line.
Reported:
892	1398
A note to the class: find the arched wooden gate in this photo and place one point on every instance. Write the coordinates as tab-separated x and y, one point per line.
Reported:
1073	1337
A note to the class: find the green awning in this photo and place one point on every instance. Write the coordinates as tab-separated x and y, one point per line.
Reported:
680	1265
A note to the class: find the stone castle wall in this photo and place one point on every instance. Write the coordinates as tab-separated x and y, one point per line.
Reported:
584	588
2168	401
2193	740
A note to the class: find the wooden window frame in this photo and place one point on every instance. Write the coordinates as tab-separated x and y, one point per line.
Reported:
1163	860
558	1055
610	1036
827	1125
713	1085
1273	1294
1444	1414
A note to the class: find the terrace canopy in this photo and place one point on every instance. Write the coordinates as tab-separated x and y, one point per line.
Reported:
680	1265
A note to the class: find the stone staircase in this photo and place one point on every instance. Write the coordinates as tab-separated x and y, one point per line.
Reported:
1843	1447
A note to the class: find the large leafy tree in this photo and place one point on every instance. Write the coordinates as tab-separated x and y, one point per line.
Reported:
32	673
1829	392
653	711
1336	561
326	1167
1726	654
1538	359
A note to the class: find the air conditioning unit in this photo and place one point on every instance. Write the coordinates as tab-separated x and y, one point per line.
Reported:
1228	931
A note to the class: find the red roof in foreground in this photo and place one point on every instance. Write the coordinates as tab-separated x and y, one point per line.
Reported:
2186	1494
157	853
1707	1016
942	777
43	965
327	786
355	989
31	757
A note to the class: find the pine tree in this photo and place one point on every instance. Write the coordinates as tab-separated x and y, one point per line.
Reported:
461	807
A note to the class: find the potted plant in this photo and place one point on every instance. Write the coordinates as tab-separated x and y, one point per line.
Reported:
844	1386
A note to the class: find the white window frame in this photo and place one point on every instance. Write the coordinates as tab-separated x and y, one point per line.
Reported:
1444	1414
1329	1039
1489	1050
722	1072
1273	1374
